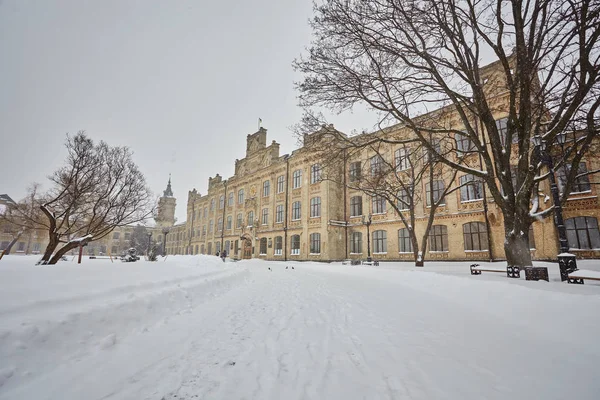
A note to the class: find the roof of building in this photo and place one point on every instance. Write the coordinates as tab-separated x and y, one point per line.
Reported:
4	198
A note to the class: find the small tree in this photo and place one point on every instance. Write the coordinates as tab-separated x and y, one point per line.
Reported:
99	189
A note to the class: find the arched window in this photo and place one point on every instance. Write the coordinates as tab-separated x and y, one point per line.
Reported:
239	221
438	190
315	173
265	216
380	242
218	247
251	218
315	207
582	233
403	200
263	246
404	242
356	243
296	211
229	222
230	199
202	249
227	244
280	184
278	245
212	205
221	202
241	196
297	179
475	236
279	214
295	245
378	203
210	248
438	238
471	188
266	188
315	243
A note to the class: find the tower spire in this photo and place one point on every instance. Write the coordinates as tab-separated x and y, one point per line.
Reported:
168	192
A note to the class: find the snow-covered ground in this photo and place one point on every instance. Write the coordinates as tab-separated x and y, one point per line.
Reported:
192	327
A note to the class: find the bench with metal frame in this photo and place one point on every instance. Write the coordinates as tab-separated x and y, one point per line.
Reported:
511	272
579	275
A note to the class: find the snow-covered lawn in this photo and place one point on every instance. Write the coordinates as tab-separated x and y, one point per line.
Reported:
192	327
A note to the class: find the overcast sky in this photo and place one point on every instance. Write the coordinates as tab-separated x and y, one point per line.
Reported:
180	82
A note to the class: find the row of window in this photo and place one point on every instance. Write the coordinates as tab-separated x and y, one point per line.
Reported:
315	177
582	233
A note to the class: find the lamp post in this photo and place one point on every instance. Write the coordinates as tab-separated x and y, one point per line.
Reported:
165	232
368	224
149	238
567	263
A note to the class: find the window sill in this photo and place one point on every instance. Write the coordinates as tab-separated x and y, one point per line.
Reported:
476	251
385	252
317	216
405	252
297	219
262	254
278	255
471	201
446	251
314	254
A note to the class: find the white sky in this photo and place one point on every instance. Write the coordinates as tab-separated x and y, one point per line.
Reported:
180	82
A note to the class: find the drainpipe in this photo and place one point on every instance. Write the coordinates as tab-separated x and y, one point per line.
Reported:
485	204
223	216
285	227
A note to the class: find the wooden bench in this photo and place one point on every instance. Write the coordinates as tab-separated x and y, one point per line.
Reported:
579	275
375	263
511	272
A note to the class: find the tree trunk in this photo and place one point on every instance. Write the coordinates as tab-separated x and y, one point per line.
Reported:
66	248
516	246
52	245
12	243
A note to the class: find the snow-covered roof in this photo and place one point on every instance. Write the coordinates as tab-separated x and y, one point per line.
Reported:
4	198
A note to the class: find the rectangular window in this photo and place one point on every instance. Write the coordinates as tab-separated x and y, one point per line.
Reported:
315	173
229	222
220	224
204	230
437	149
265	216
116	235
464	144
356	243
355	171
263	246
438	238
296	211
239	221
278	246
210	226
376	165
438	189
471	188
380	242
279	214
280	184
295	245
266	188
21	246
212	205
581	184
221	202
583	233
241	196
230	199
315	243
404	242
378	205
401	159
251	218
356	206
315	207
502	125
475	236
403	200
297	179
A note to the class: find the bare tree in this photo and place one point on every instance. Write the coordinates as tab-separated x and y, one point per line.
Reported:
404	58
99	189
398	171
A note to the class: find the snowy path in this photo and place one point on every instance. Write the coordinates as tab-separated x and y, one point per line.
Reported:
330	332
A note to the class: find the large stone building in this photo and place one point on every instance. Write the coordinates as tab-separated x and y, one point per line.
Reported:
277	207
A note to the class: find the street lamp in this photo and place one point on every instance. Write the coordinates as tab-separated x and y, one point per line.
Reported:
149	238
567	263
368	224
165	232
